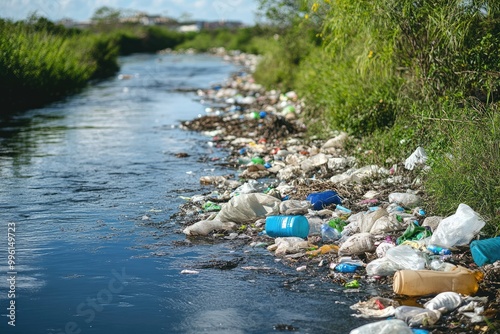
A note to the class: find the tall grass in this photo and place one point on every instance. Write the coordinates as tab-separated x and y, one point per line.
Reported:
400	74
38	65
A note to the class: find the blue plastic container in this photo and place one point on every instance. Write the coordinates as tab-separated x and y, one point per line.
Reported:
346	267
485	251
287	226
439	250
322	199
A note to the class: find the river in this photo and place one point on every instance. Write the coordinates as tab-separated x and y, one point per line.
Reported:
88	187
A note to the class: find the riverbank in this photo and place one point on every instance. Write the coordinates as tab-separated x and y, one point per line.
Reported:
264	135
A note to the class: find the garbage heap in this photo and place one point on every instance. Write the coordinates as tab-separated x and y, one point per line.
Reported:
312	205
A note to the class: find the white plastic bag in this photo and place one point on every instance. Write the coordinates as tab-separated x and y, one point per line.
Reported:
419	157
287	245
205	227
381	267
416	316
357	244
386	224
294	207
247	208
405	257
383	247
405	199
457	229
370	218
444	302
384	327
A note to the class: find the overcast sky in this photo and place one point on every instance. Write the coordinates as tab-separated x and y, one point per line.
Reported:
81	10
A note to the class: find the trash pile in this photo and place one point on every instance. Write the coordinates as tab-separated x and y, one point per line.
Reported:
312	205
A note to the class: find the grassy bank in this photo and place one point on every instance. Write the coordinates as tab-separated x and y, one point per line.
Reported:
42	62
397	75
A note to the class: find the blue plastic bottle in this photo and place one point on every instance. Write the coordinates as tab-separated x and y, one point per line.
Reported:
439	250
485	251
346	267
287	226
322	199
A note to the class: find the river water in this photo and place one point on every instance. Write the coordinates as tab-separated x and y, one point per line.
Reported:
90	185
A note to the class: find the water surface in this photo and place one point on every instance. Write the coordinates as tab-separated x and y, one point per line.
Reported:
91	184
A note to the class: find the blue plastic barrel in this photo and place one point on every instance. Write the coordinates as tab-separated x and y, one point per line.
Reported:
322	199
485	251
287	226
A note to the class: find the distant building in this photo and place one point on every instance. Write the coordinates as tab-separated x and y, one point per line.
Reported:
197	26
70	23
148	20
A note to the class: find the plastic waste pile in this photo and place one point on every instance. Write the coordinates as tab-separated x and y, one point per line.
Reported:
380	236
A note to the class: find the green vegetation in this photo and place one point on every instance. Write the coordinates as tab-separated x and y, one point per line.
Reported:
249	40
399	74
42	62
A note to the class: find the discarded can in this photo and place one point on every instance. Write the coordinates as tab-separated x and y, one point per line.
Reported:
287	226
485	251
322	199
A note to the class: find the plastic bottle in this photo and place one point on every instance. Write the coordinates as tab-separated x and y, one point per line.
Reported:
383	327
322	199
416	316
485	251
287	226
439	250
328	233
426	282
346	268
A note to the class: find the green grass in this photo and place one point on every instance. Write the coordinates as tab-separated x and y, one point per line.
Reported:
398	74
39	65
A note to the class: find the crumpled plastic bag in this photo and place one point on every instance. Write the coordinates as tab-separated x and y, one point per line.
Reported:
457	229
416	316
251	186
381	267
357	244
405	257
418	157
386	224
288	245
247	208
375	307
205	227
369	219
444	302
294	207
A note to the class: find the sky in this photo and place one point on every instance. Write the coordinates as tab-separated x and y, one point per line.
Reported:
82	10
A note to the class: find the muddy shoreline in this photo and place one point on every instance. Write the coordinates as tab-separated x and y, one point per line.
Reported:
263	136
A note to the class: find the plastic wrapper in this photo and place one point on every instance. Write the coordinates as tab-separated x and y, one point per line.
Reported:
416	316
444	302
418	157
247	208
205	227
384	327
405	257
357	244
381	267
457	229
